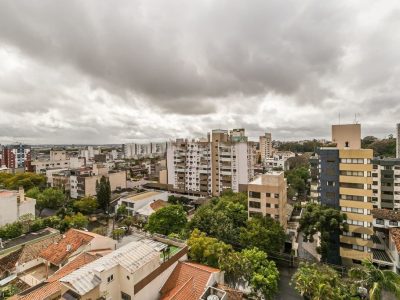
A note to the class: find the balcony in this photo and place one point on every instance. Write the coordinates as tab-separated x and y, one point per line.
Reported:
354	254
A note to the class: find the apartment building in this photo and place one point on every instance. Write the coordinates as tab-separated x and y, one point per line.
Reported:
398	140
225	161
267	196
16	156
344	182
278	161
135	150
265	146
57	160
386	183
14	204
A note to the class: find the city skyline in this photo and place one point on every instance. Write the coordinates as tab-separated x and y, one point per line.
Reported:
148	71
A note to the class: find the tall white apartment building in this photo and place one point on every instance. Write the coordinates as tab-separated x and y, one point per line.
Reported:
266	146
398	140
209	167
135	150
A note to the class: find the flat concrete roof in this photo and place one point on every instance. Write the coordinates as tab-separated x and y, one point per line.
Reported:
141	196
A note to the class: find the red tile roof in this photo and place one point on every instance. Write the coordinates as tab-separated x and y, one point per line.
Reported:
187	281
395	234
158	204
52	287
57	252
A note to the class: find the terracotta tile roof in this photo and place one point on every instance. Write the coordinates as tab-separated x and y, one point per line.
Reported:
26	253
57	253
386	214
187	281
231	293
52	286
158	204
395	234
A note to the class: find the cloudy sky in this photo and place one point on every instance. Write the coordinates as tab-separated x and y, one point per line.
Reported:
99	71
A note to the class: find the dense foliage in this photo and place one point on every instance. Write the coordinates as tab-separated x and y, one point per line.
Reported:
385	147
103	191
319	282
27	180
49	198
297	180
86	205
300	147
167	220
328	221
375	280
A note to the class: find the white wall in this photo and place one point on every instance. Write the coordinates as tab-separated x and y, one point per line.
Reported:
170	164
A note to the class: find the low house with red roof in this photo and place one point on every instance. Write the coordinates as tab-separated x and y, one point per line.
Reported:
394	247
73	243
193	281
51	288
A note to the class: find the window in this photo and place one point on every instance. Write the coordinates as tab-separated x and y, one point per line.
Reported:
393	223
268	205
276	196
268	195
357	247
110	278
330	195
254	204
125	296
255	214
380	221
255	195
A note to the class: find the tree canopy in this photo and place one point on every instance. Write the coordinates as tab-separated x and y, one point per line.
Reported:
103	191
86	205
27	180
327	221
167	220
49	198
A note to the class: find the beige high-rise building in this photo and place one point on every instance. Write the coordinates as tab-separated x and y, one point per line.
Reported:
265	146
347	136
225	161
398	140
268	196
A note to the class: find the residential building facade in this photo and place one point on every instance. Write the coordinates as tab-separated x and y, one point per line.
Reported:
135	150
265	146
386	183
14	204
225	161
16	156
267	196
278	161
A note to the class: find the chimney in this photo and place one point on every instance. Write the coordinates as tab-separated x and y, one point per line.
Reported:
69	247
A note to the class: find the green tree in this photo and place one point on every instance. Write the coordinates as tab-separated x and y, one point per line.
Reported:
328	221
76	221
223	217
169	219
10	231
375	280
27	180
264	275
33	193
263	233
86	205
319	282
122	211
103	190
206	250
50	198
118	233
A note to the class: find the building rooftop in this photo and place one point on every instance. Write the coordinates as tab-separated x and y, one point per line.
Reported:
73	239
386	214
142	196
395	234
187	281
131	257
266	178
52	286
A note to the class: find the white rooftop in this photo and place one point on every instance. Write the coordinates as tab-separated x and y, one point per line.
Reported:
131	257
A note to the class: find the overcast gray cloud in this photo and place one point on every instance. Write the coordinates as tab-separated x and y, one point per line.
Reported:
107	72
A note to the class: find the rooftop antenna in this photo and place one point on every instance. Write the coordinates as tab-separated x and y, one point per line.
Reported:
339	118
355	118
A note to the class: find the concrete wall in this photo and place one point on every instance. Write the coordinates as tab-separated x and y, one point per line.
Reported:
347	136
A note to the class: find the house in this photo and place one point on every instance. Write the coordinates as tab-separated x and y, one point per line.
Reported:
14	204
135	202
191	281
72	243
145	212
135	271
394	247
26	256
51	288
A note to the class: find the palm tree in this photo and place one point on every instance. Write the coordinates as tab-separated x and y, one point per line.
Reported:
375	280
